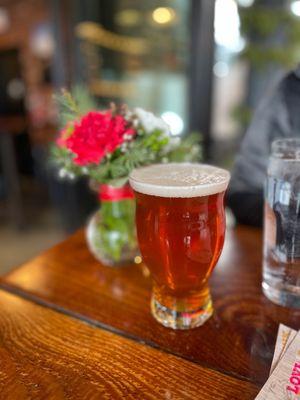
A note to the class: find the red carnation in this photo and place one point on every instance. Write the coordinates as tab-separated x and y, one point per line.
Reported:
96	135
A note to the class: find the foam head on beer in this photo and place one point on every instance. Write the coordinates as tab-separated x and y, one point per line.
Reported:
179	180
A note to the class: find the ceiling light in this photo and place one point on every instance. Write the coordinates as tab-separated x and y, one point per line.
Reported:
163	15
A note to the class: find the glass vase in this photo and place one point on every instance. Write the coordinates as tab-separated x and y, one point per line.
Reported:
111	232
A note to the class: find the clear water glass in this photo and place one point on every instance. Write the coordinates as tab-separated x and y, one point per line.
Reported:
281	253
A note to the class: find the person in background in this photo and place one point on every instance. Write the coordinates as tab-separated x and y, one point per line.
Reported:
278	116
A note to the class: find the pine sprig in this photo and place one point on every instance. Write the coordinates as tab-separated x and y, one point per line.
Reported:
72	105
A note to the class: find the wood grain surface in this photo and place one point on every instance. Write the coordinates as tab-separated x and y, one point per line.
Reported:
238	340
47	355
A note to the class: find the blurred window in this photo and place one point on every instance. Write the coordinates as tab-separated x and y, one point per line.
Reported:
256	43
230	73
141	57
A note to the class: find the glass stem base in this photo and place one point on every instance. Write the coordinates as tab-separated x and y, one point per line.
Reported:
179	316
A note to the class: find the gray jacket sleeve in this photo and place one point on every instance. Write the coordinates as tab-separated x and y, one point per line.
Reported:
270	121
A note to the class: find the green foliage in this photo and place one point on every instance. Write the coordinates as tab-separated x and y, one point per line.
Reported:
189	150
142	151
272	37
242	114
145	151
260	23
64	160
84	100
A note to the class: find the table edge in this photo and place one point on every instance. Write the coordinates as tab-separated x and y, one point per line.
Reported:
28	295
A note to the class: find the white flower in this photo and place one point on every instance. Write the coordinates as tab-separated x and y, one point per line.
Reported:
63	173
123	147
127	137
150	122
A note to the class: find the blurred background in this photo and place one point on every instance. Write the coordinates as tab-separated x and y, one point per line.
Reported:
202	65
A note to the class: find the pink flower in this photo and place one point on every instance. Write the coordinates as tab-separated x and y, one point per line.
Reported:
96	135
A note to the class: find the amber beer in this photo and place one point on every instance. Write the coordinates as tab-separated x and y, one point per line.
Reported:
181	225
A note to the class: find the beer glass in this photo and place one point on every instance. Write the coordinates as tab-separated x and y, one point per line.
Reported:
181	226
281	258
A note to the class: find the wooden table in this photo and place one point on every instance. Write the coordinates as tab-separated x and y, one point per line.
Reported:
71	328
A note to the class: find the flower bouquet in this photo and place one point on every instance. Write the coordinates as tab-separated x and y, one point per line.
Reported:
105	145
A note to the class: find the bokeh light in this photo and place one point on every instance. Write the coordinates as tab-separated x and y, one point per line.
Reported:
227	25
245	3
221	69
295	8
163	15
128	17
